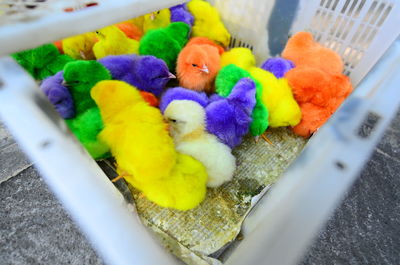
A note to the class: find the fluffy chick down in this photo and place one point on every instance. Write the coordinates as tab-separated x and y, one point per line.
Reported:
187	127
144	151
208	23
198	64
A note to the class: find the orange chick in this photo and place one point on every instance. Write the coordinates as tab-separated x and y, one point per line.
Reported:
206	41
317	82
198	64
302	50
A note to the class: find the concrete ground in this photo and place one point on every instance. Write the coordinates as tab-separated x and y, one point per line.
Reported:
365	229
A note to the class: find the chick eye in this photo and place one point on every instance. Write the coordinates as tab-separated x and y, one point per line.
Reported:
194	65
173	120
158	12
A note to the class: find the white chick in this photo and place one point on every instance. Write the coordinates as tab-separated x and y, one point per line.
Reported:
186	120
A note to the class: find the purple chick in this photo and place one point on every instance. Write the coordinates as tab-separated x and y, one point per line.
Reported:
180	13
229	118
59	95
214	97
147	73
180	93
278	66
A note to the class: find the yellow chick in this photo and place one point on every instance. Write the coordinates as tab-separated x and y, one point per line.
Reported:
184	189
242	57
155	20
207	22
112	41
278	97
80	46
138	139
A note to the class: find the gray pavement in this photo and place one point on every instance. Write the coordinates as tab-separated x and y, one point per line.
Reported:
12	160
34	228
365	229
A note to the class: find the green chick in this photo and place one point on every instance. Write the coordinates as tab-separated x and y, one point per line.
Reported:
43	61
165	43
80	77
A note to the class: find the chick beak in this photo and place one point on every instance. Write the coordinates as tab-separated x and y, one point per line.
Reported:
64	83
171	75
205	69
152	16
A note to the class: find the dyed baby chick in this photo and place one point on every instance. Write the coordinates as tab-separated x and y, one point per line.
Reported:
278	97
318	94
207	22
229	118
225	82
144	151
241	57
180	13
317	81
80	46
187	126
146	73
303	50
165	43
80	77
198	64
112	41
59	95
276	94
278	66
43	61
155	20
126	117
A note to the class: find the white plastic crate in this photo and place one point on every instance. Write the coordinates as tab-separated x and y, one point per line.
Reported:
281	226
